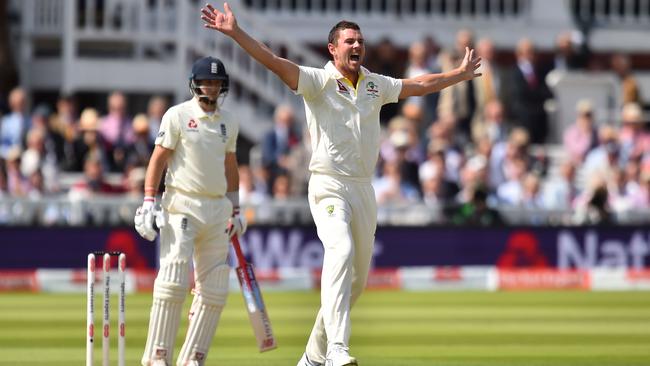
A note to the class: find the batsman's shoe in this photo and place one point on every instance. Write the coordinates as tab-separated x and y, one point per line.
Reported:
305	361
338	355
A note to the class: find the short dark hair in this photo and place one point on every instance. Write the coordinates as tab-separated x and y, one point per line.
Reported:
342	25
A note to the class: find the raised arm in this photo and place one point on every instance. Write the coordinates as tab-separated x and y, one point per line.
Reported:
431	83
225	22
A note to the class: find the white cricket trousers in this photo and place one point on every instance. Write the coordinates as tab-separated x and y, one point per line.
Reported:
195	232
345	213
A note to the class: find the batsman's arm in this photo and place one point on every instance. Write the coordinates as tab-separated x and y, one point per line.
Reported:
232	172
226	23
432	83
157	164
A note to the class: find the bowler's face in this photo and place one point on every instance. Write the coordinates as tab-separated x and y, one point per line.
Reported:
349	50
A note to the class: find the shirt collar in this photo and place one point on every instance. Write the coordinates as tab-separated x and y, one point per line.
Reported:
336	74
200	113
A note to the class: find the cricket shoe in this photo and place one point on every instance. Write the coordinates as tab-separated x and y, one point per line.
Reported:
305	361
339	355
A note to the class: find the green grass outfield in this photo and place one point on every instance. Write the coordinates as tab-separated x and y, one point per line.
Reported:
389	329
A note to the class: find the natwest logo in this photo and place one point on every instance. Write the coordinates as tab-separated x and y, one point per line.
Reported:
594	252
192	124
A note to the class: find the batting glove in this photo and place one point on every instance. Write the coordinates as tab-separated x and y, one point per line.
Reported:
237	224
145	216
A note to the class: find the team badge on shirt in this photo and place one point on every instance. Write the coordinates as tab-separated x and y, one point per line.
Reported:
372	89
330	210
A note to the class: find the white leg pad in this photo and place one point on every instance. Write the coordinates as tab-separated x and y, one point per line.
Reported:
169	293
209	299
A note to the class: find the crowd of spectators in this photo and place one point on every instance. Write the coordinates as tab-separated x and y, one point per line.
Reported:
474	147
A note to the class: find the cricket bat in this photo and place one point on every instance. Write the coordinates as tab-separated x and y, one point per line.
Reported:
257	314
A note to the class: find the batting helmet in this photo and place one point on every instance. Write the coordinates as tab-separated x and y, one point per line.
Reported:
209	68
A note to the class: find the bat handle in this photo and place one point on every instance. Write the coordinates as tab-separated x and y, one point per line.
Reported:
238	252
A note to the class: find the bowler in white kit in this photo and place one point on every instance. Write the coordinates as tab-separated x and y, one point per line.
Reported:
196	143
342	103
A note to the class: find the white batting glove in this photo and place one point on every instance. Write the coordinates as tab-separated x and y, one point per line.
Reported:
145	216
236	224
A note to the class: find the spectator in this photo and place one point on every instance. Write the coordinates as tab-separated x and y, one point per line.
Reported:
527	93
487	87
279	142
511	192
63	128
93	181
605	157
581	136
629	85
14	124
37	158
116	131
282	187
88	142
458	100
472	175
16	182
390	188
592	207
504	153
566	56
560	192
633	139
436	191
475	211
139	152
155	110
249	194
492	123
417	65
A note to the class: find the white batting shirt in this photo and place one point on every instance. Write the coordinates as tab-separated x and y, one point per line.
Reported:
200	143
343	121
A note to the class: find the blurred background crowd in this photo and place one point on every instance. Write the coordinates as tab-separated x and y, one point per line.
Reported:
471	153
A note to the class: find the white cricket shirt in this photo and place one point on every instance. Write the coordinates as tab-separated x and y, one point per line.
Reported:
343	121
200	143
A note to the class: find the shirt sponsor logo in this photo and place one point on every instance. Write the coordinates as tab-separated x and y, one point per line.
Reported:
372	90
341	88
224	133
192	124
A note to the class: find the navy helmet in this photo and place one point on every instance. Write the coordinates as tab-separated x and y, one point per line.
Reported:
209	68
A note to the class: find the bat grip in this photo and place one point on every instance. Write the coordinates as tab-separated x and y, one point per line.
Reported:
240	255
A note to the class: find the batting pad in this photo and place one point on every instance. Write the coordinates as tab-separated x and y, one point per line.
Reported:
209	300
169	293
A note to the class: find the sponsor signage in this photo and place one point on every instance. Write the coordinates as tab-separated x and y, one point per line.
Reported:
270	248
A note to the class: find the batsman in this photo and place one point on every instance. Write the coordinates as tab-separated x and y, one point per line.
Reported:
196	143
342	104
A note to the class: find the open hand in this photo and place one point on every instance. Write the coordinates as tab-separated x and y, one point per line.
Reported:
469	65
223	21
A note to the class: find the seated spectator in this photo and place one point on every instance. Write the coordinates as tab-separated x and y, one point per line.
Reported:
16	182
581	136
592	206
139	152
560	192
436	191
567	57
473	174
93	182
476	211
605	157
504	153
492	124
633	139
249	193
282	187
511	192
13	125
390	188
279	142
116	130
63	128
38	158
155	111
88	142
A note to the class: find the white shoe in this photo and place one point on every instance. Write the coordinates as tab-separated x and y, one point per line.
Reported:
305	361
339	355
